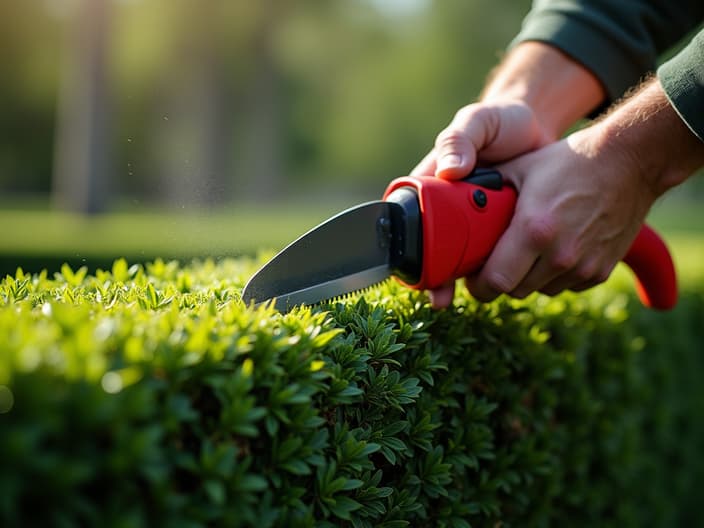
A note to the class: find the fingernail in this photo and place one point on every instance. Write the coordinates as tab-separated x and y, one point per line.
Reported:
449	161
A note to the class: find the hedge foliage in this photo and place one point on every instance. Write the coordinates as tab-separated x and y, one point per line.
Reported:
151	396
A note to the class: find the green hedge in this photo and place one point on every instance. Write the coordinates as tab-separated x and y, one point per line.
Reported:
152	397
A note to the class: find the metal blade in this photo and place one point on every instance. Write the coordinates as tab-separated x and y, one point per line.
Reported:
348	252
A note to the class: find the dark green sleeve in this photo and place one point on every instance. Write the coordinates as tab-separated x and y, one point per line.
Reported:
618	40
682	78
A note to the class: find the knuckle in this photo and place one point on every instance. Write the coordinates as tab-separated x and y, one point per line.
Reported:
499	282
466	113
450	139
603	274
582	286
474	111
597	276
520	294
586	272
541	231
566	261
551	290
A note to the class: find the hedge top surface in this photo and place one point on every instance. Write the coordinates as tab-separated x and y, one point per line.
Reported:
150	395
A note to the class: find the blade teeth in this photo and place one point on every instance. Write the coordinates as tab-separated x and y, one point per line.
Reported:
350	295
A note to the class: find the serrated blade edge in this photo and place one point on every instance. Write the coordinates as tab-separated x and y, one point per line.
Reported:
348	252
331	289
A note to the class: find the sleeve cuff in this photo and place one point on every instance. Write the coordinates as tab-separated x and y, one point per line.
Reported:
682	79
591	42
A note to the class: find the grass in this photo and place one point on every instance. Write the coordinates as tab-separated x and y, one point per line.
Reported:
242	230
34	237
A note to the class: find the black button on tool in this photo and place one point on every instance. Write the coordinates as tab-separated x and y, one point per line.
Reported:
487	178
479	198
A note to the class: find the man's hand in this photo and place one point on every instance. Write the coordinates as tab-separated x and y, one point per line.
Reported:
533	97
480	133
580	206
582	200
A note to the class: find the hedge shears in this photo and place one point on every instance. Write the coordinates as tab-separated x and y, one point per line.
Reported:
425	231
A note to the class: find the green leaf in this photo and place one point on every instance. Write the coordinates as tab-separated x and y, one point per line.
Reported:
252	483
215	490
343	506
296	467
352	484
120	270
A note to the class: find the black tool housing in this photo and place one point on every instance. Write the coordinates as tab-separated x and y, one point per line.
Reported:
406	260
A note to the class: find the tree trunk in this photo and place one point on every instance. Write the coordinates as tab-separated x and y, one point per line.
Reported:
261	157
261	153
82	155
194	129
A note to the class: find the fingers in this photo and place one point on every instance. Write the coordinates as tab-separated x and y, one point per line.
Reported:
510	262
539	275
442	297
581	279
530	256
545	276
553	275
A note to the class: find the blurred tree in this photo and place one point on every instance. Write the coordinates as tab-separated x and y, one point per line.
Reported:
214	74
240	100
260	162
83	136
29	52
369	84
194	118
320	49
232	99
400	89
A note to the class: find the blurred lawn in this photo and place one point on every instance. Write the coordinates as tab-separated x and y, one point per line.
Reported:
155	233
34	238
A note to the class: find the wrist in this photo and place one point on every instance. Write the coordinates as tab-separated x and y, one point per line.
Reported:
647	131
557	89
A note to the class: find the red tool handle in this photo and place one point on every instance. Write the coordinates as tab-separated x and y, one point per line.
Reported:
463	220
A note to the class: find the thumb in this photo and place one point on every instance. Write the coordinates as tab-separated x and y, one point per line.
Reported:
454	166
456	155
457	145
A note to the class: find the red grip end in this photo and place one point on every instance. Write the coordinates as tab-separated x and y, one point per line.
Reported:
458	232
650	260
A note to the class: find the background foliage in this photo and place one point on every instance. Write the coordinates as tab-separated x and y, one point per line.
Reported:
268	95
150	395
229	126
